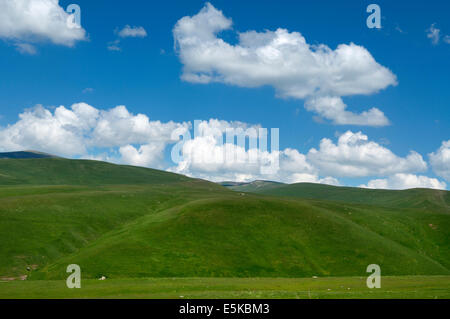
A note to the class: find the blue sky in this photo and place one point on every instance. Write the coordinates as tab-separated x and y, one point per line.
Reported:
146	77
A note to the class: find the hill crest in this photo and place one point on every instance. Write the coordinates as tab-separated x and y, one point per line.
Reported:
25	155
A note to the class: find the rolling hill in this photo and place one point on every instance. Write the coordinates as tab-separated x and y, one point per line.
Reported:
410	198
59	171
128	222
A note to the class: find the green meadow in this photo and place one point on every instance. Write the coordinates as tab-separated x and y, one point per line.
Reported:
398	287
155	234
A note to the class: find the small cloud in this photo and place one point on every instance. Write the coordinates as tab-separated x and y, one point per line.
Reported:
433	33
447	39
26	48
132	32
88	90
162	51
126	32
114	45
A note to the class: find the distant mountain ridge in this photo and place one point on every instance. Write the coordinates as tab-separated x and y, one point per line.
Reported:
255	186
25	154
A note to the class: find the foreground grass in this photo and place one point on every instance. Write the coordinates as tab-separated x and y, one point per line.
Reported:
409	287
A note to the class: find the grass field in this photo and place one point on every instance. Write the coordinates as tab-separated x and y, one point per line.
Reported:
130	224
411	287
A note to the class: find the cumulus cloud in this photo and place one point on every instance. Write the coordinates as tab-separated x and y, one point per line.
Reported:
118	136
148	155
76	130
440	160
283	60
434	34
25	21
355	156
334	109
132	32
405	181
210	156
39	129
206	152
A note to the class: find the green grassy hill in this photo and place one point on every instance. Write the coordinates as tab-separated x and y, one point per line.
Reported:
59	171
129	222
235	236
411	198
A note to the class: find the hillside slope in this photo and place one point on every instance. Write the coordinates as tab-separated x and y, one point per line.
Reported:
123	221
251	236
410	198
59	171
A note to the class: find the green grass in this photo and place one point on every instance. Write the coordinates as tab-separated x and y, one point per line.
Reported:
412	198
59	171
40	225
423	287
127	223
251	236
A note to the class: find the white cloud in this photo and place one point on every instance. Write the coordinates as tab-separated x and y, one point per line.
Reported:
26	48
103	157
212	167
76	130
114	45
118	136
405	181
148	155
118	127
41	130
24	21
283	60
126	32
334	109
355	156
208	156
311	178
205	154
447	39
433	34
440	161
132	32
